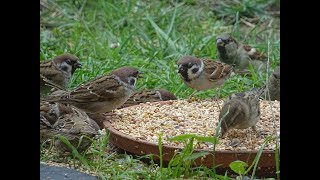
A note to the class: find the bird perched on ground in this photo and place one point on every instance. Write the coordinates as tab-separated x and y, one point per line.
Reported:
203	73
52	111
76	127
149	96
71	123
241	111
274	85
57	72
232	52
102	94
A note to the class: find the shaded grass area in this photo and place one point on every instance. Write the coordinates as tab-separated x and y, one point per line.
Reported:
152	36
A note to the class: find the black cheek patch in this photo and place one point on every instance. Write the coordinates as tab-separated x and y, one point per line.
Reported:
195	70
64	68
184	74
132	81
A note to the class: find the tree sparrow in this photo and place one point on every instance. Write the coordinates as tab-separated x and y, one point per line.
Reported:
232	52
102	94
241	111
57	71
274	85
202	73
73	126
149	96
72	123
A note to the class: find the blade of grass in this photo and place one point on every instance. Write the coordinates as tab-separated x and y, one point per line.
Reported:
162	34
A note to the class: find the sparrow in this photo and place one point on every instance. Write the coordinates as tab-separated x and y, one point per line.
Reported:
46	129
241	111
76	127
52	111
71	123
48	84
230	51
203	73
57	72
274	85
102	94
149	96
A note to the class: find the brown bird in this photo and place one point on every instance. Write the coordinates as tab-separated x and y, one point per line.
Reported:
274	85
203	73
102	94
52	111
46	129
57	72
232	52
76	127
149	96
241	111
72	123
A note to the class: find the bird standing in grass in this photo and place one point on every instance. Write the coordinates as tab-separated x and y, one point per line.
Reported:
57	72
102	94
242	56
68	121
203	73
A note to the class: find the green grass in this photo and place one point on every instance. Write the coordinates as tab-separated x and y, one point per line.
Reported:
152	35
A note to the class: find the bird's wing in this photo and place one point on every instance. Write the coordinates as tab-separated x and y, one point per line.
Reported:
99	89
216	69
254	54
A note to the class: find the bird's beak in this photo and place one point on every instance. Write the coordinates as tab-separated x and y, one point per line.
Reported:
181	69
78	65
140	75
220	42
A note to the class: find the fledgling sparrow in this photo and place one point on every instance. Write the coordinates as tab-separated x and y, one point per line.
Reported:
57	71
274	85
241	111
149	96
230	51
74	127
102	94
71	123
203	73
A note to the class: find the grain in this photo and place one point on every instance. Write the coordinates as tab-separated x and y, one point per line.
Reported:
147	121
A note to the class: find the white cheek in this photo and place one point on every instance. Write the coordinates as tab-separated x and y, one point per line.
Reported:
192	75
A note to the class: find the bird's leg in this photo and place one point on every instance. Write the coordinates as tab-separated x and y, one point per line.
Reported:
190	97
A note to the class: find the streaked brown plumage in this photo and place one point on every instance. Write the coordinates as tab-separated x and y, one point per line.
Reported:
232	52
102	94
203	73
57	72
149	96
274	85
72	123
241	111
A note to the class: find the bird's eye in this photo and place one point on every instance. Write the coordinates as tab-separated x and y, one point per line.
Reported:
68	61
189	65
